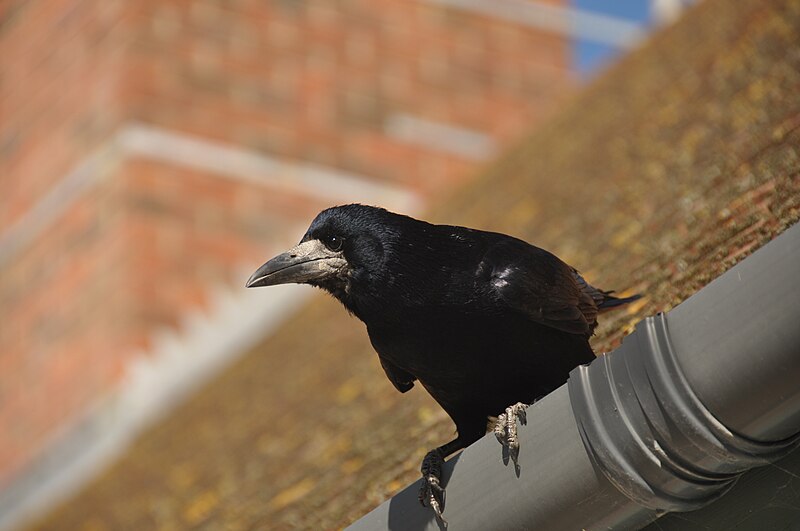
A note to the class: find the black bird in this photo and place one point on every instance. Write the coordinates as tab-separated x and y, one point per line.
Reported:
484	321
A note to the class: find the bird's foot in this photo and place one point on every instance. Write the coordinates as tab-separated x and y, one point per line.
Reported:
431	492
506	430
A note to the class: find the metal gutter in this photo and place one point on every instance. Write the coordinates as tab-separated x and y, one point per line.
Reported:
692	400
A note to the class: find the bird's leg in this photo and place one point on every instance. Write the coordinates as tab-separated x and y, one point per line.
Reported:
431	491
506	429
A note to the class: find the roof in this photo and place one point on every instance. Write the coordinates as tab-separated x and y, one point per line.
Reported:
669	169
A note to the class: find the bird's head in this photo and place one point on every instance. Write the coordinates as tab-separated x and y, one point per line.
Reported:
343	250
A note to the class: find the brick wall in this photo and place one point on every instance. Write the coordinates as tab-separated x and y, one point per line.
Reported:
59	93
319	80
101	243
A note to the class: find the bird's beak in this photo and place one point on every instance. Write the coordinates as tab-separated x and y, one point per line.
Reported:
309	261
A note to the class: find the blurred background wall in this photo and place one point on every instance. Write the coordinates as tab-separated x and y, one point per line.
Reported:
151	152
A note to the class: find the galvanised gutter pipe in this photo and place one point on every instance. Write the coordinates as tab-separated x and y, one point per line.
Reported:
667	422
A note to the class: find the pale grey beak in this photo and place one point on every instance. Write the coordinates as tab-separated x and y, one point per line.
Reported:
308	261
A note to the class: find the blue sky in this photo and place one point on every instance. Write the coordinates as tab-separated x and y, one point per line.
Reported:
588	56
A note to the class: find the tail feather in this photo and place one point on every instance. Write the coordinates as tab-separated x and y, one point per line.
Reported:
609	301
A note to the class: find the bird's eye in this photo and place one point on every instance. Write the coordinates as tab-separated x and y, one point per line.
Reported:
334	243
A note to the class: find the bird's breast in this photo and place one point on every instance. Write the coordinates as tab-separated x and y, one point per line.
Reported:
437	343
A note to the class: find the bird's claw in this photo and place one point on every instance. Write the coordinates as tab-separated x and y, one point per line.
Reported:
506	429
431	492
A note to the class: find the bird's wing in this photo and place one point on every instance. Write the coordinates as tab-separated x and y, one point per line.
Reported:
536	283
400	378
